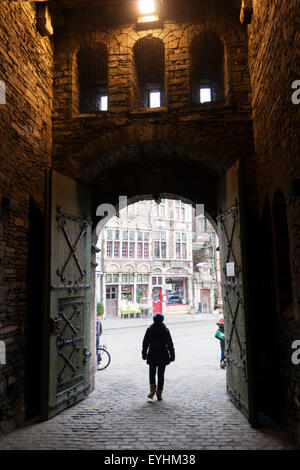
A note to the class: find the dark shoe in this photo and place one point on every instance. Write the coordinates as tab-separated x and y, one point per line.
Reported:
159	395
222	365
152	391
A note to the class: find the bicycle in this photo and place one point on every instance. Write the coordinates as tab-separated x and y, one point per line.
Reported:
103	358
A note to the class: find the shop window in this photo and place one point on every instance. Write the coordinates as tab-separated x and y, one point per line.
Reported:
207	68
176	290
92	65
149	68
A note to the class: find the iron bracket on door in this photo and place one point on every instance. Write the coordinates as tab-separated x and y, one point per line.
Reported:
86	355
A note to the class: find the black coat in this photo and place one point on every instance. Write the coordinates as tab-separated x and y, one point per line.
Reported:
158	346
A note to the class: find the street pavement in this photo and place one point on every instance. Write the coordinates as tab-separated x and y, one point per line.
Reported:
195	413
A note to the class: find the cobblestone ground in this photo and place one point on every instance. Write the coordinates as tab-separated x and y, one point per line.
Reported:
195	412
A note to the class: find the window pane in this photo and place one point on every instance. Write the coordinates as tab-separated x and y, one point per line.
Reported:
140	250
184	252
177	236
159	281
156	235
104	103
116	278
116	249
131	236
139	278
131	250
177	250
124	250
146	236
140	236
117	234
109	234
205	95
108	278
146	250
184	237
155	99
145	278
131	278
163	249
125	235
109	249
124	278
164	236
156	249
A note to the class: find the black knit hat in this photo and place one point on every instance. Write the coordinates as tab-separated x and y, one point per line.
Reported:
158	318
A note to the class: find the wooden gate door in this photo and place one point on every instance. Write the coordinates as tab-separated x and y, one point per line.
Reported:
231	239
67	324
112	300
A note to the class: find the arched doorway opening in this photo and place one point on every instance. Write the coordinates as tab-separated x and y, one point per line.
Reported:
156	169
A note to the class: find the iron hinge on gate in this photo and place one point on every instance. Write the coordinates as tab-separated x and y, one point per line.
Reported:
54	326
86	355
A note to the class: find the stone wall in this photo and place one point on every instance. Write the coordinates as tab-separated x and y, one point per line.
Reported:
274	65
95	146
26	67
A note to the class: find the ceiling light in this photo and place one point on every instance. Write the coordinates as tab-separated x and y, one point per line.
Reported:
147	6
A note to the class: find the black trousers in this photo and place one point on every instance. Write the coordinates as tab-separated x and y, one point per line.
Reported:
160	370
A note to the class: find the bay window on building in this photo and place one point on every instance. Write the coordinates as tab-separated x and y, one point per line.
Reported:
160	244
181	245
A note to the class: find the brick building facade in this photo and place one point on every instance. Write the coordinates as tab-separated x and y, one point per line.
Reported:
180	149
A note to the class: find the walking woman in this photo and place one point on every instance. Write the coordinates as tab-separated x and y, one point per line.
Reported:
158	350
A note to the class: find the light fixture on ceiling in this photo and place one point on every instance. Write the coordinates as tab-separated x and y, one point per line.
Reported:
149	15
147	7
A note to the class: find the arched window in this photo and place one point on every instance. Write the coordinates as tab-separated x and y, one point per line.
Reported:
282	254
92	62
207	68
149	59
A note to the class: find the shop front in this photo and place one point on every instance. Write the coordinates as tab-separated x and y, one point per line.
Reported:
177	295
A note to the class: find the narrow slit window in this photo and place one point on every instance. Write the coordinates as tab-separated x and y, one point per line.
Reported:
207	68
149	60
92	63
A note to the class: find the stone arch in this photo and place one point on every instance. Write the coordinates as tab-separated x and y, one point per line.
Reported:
112	268
128	268
143	268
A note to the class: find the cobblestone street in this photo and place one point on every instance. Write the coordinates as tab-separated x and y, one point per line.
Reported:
195	412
